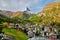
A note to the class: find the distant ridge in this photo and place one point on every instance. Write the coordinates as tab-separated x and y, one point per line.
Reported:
16	14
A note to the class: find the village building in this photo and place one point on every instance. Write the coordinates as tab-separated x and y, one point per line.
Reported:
11	25
46	30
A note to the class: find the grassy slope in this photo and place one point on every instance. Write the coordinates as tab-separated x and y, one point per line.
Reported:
17	34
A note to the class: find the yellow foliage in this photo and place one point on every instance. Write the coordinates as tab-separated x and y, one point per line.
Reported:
5	24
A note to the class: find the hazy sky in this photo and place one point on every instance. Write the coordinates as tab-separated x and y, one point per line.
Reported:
20	5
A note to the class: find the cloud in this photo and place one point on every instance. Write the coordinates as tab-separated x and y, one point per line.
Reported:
4	5
20	5
30	3
17	4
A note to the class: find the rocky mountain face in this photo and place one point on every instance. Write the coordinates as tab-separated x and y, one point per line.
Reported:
51	12
6	13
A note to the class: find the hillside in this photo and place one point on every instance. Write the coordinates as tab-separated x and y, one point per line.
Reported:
20	14
18	35
51	12
15	14
4	18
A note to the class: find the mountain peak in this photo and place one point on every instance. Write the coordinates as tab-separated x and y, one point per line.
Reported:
27	9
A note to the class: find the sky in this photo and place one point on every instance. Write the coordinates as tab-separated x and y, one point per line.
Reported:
20	5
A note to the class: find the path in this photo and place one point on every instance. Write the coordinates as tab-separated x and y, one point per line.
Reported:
6	37
38	38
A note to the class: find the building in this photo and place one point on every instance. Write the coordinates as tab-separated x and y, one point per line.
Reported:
47	30
11	25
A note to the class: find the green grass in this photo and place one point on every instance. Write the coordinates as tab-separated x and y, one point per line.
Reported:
18	35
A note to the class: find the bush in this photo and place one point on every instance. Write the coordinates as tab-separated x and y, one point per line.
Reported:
1	28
